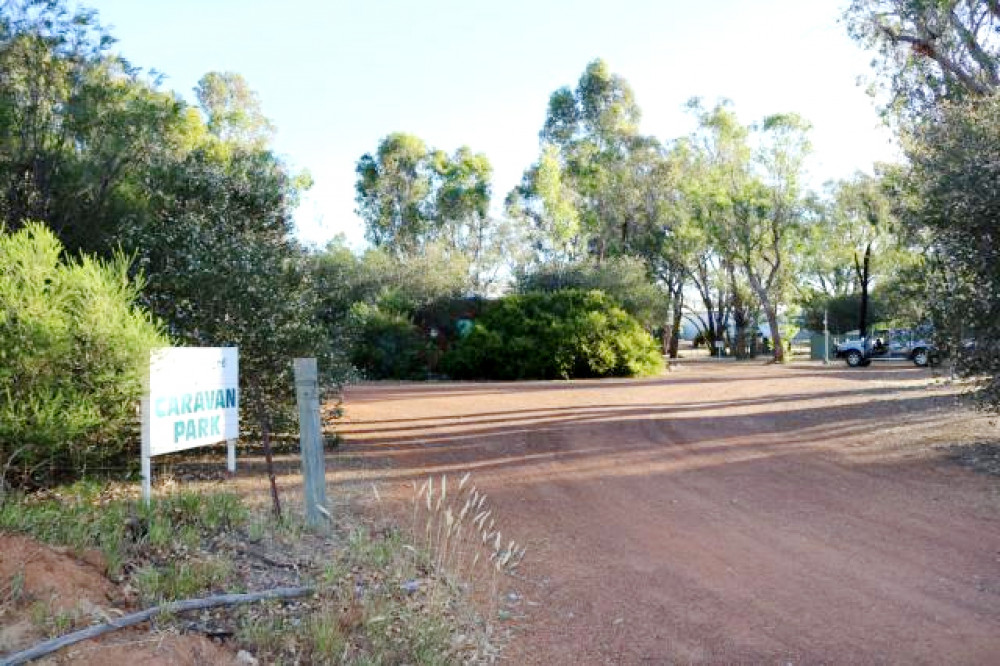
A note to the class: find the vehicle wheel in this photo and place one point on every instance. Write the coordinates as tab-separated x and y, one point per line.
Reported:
854	358
921	358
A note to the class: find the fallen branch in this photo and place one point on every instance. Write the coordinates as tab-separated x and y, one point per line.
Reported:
54	644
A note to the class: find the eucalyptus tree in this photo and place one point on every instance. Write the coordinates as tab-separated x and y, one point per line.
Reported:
717	170
863	232
745	195
411	196
586	140
233	110
769	215
545	205
941	60
394	187
929	50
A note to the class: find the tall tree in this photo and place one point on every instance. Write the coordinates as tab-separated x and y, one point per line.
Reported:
393	190
769	215
591	132
863	224
233	109
411	197
952	198
930	49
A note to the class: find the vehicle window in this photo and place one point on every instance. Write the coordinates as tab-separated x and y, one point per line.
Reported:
900	338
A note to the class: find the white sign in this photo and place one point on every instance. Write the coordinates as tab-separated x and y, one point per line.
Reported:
194	398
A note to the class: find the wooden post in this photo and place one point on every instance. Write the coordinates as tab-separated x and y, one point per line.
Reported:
310	440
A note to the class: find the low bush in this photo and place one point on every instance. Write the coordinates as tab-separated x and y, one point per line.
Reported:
73	348
554	335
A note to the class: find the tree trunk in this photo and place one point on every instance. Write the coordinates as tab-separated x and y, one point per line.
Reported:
675	329
771	312
864	276
772	322
265	432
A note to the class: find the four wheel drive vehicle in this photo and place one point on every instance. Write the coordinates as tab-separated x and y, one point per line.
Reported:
893	344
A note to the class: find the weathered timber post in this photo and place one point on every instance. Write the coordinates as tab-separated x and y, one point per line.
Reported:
310	440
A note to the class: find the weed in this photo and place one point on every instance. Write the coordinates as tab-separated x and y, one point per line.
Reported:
87	515
17	586
325	636
181	580
266	634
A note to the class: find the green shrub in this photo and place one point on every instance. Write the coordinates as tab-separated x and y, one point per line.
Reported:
624	279
389	344
561	334
73	348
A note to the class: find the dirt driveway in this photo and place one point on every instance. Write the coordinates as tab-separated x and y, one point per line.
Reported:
719	513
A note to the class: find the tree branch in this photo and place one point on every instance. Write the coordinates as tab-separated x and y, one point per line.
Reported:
975	50
926	47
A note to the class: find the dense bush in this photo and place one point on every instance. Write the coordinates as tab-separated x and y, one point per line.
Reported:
389	345
73	347
624	279
562	334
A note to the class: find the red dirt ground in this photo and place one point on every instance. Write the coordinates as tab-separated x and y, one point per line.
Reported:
64	583
721	513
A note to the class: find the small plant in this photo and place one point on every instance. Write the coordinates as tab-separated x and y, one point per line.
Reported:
325	636
183	580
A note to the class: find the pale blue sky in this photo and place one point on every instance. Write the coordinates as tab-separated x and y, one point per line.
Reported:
335	77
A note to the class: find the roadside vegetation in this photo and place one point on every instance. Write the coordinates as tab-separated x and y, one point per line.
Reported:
380	596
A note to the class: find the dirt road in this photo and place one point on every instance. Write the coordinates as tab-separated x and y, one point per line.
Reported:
719	513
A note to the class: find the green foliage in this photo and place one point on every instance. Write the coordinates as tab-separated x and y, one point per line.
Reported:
380	305
389	345
233	109
624	279
80	128
951	200
222	269
842	312
107	161
73	348
181	580
562	334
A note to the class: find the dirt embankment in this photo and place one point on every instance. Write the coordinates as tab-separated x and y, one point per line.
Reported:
41	585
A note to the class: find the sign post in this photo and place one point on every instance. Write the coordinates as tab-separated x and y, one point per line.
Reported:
193	401
310	440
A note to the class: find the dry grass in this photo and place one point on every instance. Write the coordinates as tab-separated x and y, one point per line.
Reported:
458	531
